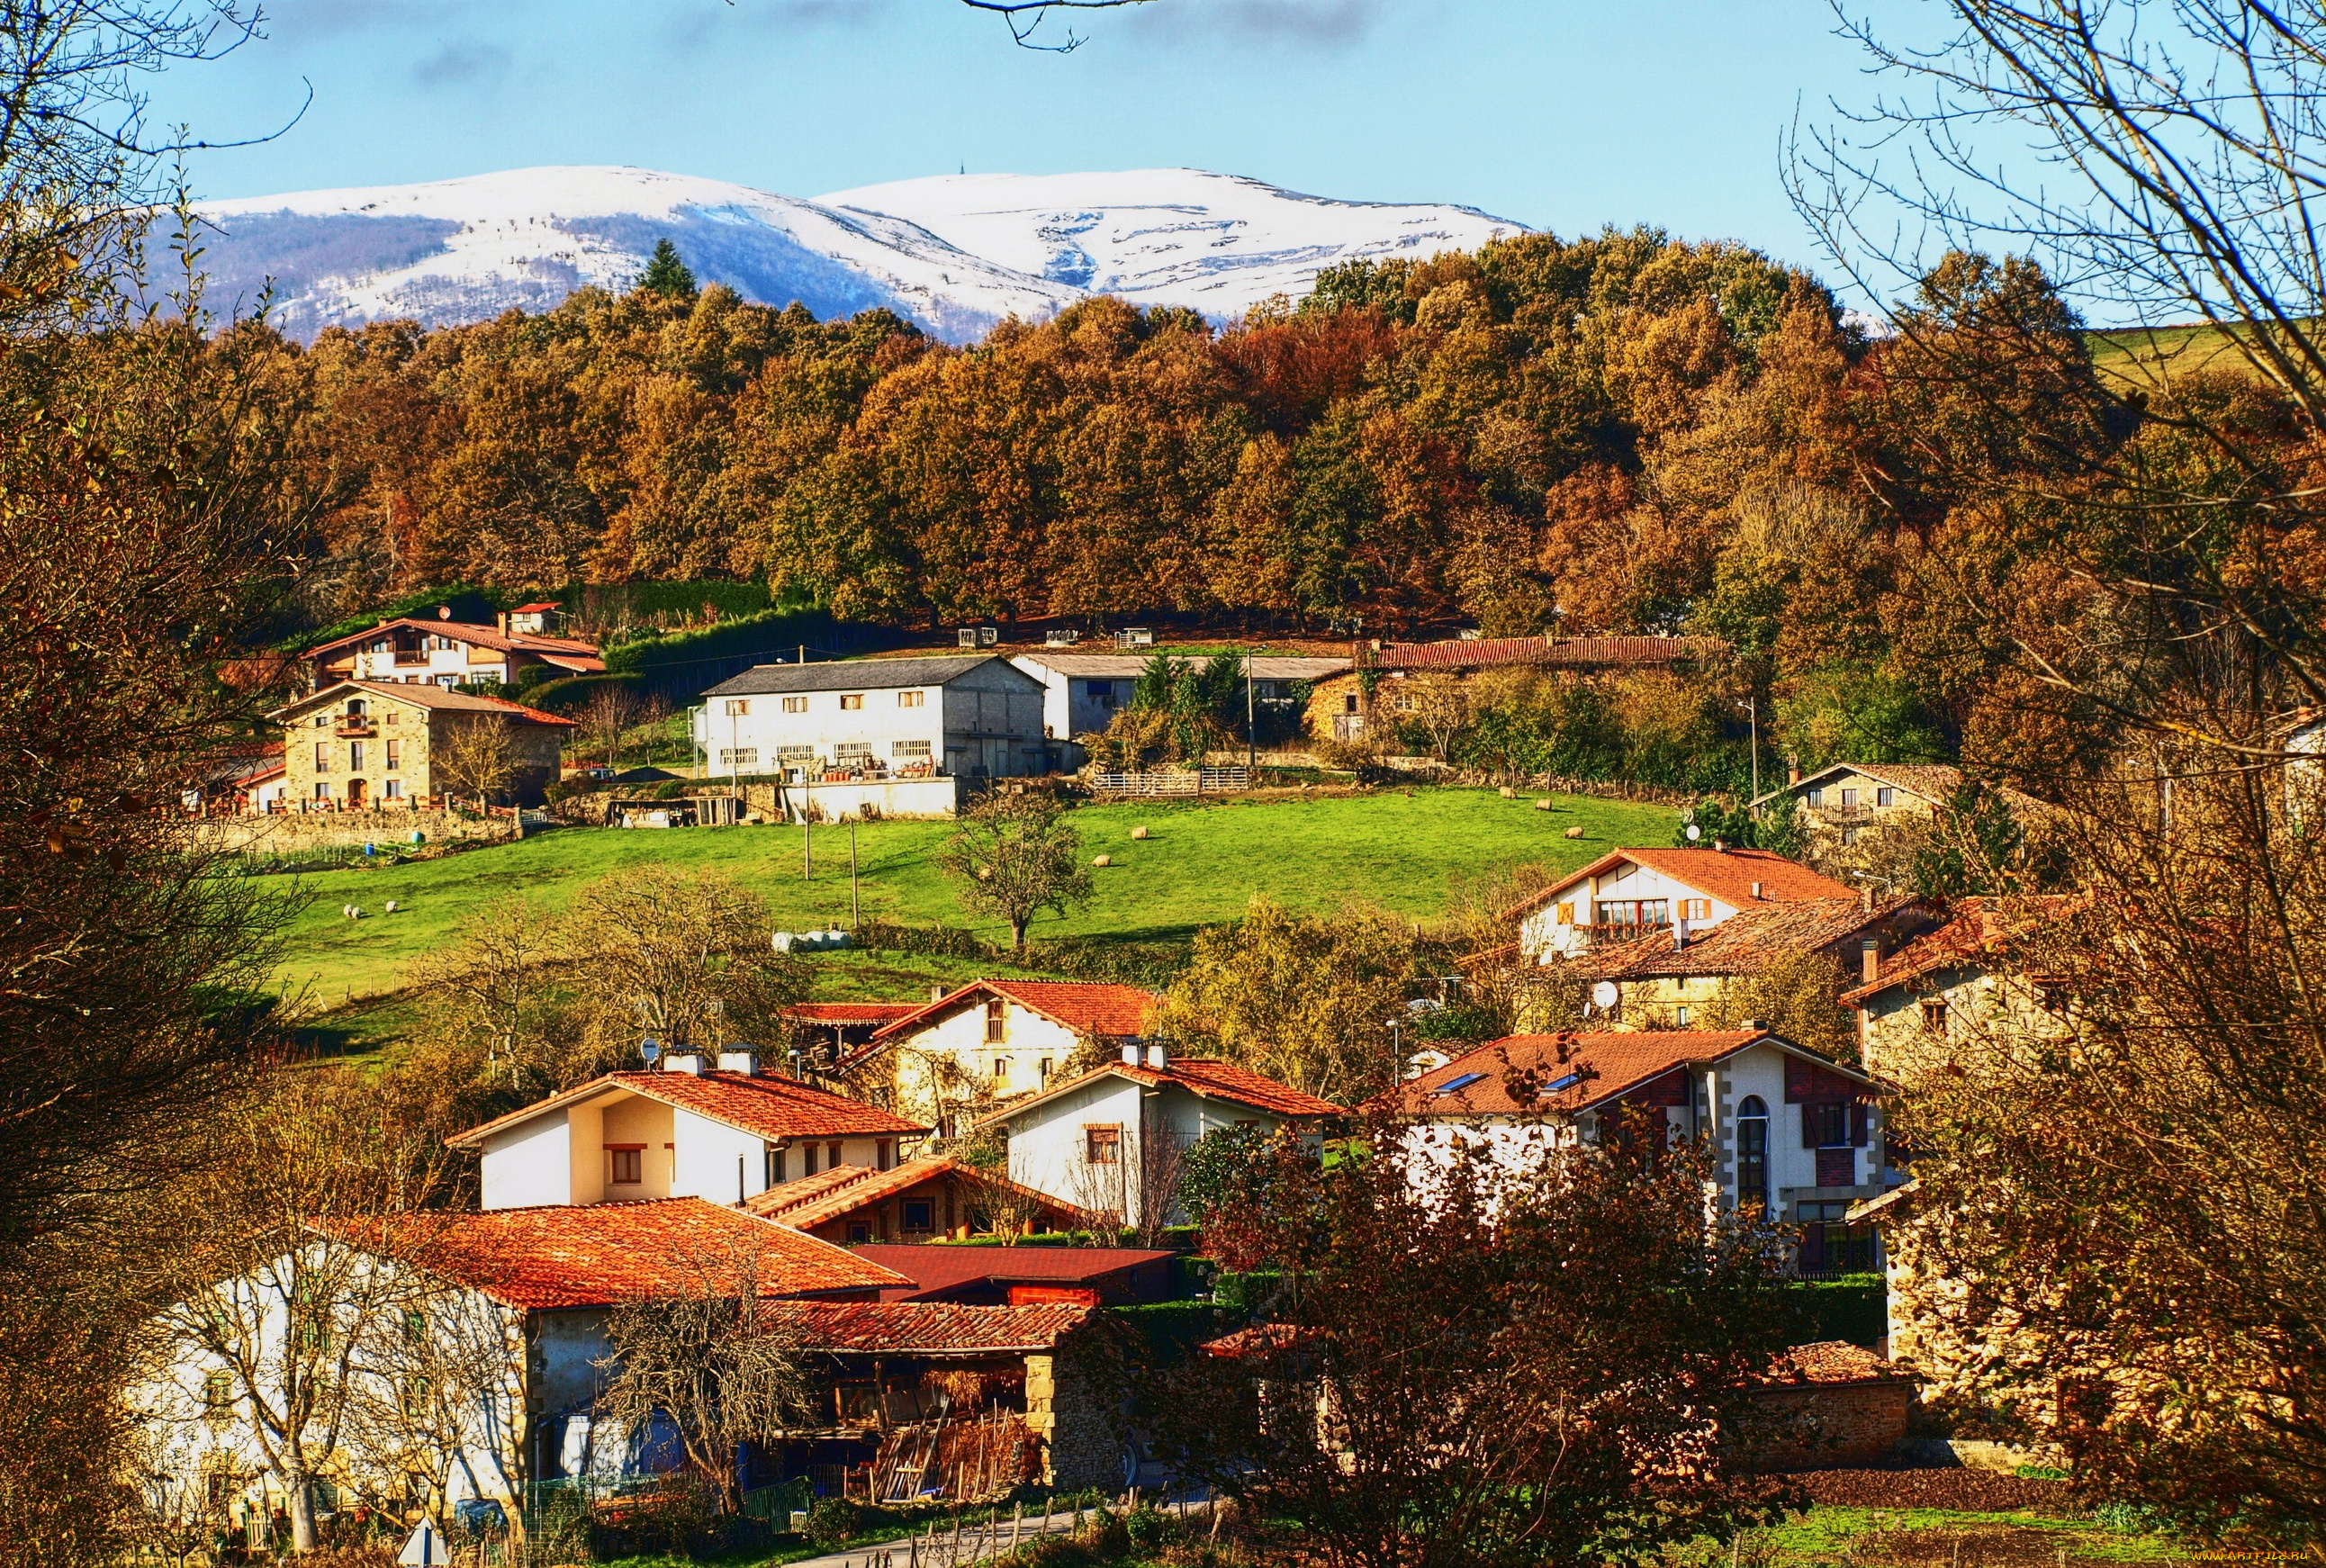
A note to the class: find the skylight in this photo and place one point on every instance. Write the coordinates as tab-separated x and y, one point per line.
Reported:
1465	1081
1569	1082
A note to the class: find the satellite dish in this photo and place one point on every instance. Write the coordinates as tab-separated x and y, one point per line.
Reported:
1605	994
651	1049
1694	832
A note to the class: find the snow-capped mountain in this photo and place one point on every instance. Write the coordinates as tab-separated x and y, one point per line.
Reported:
1219	242
955	254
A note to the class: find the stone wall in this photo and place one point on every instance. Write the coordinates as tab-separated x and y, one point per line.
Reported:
1807	1426
296	832
1079	1445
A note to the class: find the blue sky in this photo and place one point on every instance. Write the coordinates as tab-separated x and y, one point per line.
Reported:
1560	114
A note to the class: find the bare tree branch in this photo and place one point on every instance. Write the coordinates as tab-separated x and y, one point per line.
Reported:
1025	15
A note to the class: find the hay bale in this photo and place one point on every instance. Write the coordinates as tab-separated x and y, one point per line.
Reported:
1543	805
1509	793
1139	832
1103	860
1575	833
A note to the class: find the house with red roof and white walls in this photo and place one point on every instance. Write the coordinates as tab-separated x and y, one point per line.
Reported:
1112	1141
1626	894
1797	1133
438	651
967	1050
724	1132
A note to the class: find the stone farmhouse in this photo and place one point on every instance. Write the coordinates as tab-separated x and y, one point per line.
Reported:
1110	1140
369	744
443	651
1385	685
725	1133
964	717
1626	894
1677	978
1845	802
1794	1131
1955	982
990	1040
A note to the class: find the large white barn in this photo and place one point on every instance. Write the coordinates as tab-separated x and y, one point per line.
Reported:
970	716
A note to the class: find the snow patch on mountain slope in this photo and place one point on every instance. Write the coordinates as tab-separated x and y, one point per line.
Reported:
1220	243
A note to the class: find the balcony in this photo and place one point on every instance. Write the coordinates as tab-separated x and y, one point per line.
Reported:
355	728
411	656
1613	933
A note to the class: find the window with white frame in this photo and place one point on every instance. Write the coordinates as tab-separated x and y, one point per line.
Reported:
737	707
909	750
730	755
911	699
795	756
852	751
852	700
795	704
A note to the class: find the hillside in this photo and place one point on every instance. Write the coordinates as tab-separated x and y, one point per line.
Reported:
953	255
1201	865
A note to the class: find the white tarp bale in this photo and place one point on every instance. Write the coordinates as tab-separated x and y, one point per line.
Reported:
425	1548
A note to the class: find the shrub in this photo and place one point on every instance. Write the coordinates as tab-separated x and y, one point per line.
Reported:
833	1521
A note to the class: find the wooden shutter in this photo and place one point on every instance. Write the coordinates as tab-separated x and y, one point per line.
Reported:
1809	1126
1858	1119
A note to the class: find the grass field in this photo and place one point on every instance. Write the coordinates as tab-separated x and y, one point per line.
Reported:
2146	358
1201	864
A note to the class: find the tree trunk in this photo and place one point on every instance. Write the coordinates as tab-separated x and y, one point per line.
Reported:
302	1510
1018	937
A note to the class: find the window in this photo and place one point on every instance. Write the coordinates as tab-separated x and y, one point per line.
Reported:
1849	835
392	716
1042	1067
217	1392
1696	909
1825	1127
884	1153
1349	703
322	790
1565	914
1679	1016
852	751
851	699
832	1156
1934	1014
627	1165
1103	1145
1000	1070
1849	797
731	755
392	790
1816	797
807	1157
909	750
774	1162
1886	796
395	755
1753	1151
794	756
858	1231
1635	911
737	707
920	1215
911	699
355	757
1830	1244
1099	692
795	704
322	757
321	720
997	1019
1455	1085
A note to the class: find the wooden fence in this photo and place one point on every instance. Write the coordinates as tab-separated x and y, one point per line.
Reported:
1191	780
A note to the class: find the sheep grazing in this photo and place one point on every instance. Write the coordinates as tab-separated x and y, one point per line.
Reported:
1575	833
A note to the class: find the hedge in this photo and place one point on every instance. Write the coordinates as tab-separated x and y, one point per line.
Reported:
688	663
1856	1308
1172	1329
477	605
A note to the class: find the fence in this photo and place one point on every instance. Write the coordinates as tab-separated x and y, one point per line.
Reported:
1191	780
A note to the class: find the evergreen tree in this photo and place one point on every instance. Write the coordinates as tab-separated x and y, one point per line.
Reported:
666	274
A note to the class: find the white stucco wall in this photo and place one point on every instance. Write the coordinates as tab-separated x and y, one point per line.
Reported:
1049	1147
720	1164
1543	936
988	718
925	1089
528	1164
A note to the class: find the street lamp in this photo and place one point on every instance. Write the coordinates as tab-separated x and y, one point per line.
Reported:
1751	706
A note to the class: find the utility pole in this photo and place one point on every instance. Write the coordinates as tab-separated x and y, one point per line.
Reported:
855	898
1250	735
807	838
1751	706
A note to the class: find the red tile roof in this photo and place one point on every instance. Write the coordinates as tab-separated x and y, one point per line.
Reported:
1748	941
1726	875
1085	1007
850	1011
1976	928
421	695
767	1104
813	1200
599	1254
1197	1075
1829	1361
1609	1065
1478	653
919	1328
934	1269
570	651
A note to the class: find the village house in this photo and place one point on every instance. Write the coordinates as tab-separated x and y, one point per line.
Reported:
724	1133
1083	693
373	744
1113	1140
1845	802
1954	983
498	1319
1028	1276
924	1198
970	1048
1791	1130
825	1033
961	717
1385	683
443	651
1626	894
1680	977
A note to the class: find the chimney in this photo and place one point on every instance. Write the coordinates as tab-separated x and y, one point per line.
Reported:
1679	934
500	622
1158	1058
693	1061
1131	1053
1792	768
1869	959
936	993
1720	847
739	1059
1756	892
